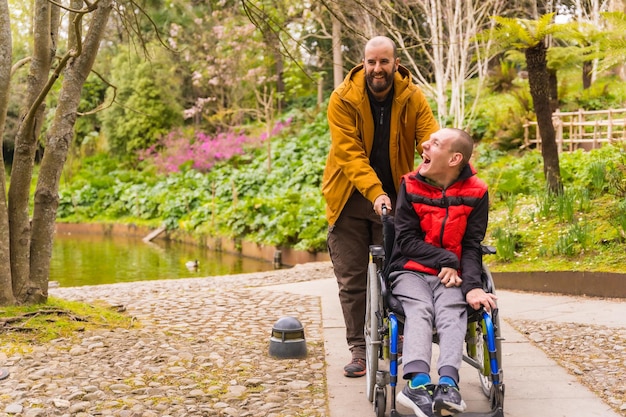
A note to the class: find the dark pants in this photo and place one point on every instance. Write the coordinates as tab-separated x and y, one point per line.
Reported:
349	238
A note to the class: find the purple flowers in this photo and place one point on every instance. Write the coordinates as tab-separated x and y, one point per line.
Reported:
200	150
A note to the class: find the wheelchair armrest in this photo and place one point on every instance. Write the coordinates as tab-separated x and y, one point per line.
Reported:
384	285
377	250
390	301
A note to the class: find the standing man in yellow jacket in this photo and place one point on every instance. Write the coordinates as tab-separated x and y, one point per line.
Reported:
378	119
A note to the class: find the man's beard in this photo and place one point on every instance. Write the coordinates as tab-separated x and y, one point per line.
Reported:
375	85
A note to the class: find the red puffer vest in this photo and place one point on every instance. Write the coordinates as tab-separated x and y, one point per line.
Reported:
443	213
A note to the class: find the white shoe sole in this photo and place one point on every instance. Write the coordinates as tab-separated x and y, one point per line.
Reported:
449	409
406	402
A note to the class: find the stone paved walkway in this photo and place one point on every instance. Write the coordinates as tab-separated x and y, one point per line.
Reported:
200	349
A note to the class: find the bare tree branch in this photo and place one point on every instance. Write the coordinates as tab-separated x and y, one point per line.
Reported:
90	7
102	106
265	22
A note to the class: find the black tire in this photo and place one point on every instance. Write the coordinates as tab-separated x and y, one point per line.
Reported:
372	338
380	401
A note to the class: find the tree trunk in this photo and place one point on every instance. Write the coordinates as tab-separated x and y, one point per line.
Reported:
60	138
554	90
280	81
6	53
337	54
272	41
587	74
538	79
25	245
23	161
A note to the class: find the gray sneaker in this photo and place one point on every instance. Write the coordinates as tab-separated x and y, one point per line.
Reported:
419	399
355	368
447	401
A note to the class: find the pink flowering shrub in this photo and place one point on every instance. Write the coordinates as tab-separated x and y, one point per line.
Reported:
199	150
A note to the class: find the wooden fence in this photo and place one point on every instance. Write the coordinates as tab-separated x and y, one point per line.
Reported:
581	129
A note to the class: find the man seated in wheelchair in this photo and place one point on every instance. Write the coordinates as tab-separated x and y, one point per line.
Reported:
435	267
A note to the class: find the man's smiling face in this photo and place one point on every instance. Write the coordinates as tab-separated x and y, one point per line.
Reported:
380	67
438	156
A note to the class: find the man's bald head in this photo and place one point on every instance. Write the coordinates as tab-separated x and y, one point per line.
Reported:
381	41
463	143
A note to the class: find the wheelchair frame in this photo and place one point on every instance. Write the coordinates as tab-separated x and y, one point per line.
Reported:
382	333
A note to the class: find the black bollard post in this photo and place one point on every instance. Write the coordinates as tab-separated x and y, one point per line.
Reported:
278	261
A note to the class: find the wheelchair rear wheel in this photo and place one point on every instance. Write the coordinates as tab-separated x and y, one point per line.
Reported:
481	351
372	337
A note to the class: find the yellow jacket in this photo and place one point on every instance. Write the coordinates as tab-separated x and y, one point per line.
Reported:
352	137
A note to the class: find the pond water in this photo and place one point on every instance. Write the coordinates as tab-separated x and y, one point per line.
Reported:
92	259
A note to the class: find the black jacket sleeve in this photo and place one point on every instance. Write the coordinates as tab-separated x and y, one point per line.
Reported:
471	258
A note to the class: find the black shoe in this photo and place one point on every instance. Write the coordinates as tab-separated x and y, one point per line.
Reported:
355	369
447	401
418	399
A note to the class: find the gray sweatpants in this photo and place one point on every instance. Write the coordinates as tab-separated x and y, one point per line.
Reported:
428	303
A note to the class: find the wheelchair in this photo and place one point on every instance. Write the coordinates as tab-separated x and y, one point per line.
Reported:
384	321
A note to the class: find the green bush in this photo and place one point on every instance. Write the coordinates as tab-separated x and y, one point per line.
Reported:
618	219
147	99
512	173
605	93
575	240
507	243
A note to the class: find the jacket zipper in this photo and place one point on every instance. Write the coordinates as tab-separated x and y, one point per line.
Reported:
445	218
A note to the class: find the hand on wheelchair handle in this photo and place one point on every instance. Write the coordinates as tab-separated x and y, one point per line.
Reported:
477	298
382	205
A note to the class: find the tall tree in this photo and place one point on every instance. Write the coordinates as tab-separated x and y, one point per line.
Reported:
6	288
271	17
28	243
530	37
589	33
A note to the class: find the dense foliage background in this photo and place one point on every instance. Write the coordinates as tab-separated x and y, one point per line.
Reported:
268	189
209	117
